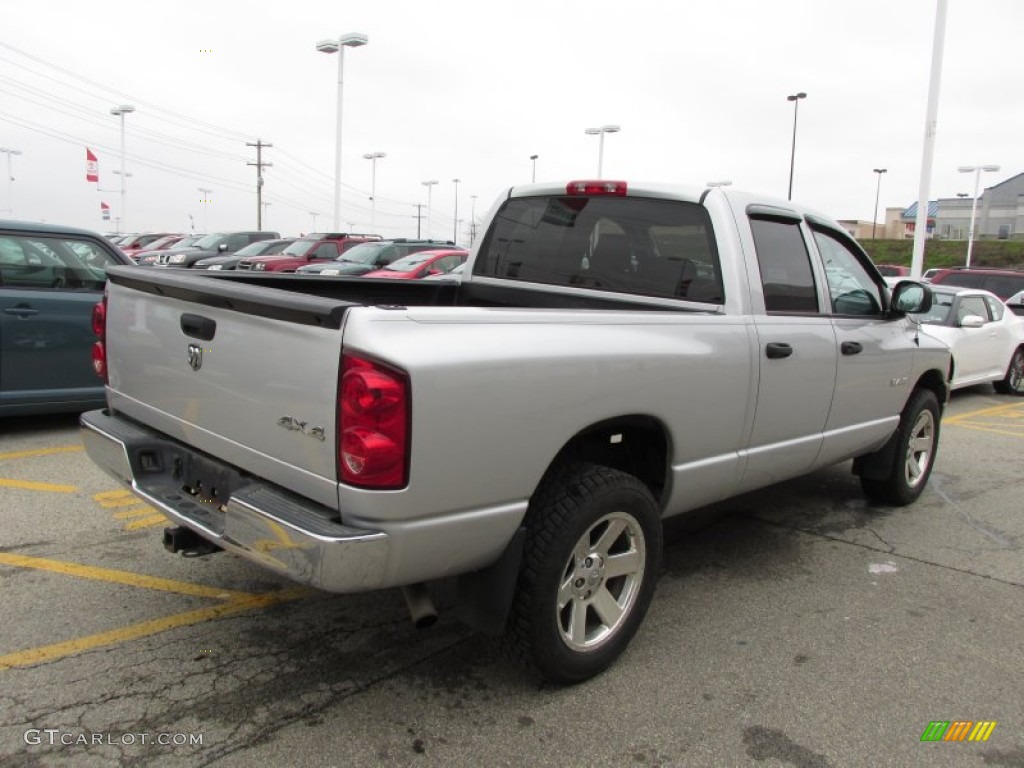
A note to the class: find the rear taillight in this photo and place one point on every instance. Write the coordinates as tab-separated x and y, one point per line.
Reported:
99	349
596	188
373	424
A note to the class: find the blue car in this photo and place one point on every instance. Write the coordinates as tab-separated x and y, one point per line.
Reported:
50	279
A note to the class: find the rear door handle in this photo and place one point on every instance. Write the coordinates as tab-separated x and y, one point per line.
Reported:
850	348
198	327
21	311
778	349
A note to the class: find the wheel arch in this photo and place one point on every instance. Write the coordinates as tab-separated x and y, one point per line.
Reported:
637	444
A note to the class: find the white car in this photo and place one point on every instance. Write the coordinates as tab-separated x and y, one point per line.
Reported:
987	340
1016	303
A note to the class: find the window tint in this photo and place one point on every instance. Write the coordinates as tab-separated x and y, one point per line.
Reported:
1003	286
623	244
64	264
851	289
326	251
963	279
785	266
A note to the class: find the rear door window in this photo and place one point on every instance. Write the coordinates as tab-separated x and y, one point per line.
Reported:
785	265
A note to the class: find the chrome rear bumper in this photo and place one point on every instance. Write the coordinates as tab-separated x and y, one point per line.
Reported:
240	513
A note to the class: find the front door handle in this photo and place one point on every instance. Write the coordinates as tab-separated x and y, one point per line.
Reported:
850	348
21	311
778	349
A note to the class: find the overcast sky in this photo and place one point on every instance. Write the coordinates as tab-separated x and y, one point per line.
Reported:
470	90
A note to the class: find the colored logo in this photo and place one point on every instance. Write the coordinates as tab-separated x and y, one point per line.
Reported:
958	730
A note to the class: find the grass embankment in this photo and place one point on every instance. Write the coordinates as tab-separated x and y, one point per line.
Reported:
1008	254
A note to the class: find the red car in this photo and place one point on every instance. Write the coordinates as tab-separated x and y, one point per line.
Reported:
132	245
312	249
421	264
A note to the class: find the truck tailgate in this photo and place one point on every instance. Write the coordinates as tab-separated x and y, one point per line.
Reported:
246	373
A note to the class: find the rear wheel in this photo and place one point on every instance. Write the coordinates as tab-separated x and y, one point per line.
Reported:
917	439
1013	382
589	568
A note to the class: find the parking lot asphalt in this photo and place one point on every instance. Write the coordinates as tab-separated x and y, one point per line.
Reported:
801	627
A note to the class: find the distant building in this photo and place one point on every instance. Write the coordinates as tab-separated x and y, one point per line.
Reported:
901	223
999	215
862	230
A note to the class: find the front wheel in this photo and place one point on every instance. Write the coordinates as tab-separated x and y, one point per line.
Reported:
589	569
1013	382
917	440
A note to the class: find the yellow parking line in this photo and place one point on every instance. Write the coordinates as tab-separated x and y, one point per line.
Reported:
998	409
145	628
980	428
120	577
125	502
146	522
28	485
124	514
119	494
40	452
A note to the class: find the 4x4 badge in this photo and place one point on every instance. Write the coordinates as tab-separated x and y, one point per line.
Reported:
195	356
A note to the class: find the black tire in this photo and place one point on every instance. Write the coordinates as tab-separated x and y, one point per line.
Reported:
1013	382
917	440
590	565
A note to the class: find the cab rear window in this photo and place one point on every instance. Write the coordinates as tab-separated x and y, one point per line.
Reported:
622	244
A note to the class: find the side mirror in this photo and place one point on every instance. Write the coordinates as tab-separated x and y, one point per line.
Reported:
909	297
972	321
434	271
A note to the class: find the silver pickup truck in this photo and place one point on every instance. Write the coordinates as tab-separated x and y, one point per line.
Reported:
615	354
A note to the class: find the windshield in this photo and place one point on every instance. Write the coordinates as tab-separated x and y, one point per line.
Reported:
185	243
364	253
210	242
299	248
258	248
942	303
408	263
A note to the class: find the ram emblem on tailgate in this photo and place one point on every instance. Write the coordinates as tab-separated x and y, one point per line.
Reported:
295	425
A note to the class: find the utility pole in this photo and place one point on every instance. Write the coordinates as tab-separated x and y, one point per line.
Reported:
418	217
260	165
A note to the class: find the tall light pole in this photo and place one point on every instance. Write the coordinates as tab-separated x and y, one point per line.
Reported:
533	158
206	216
600	146
373	157
338	45
455	235
314	214
429	185
121	111
795	98
472	218
878	191
976	170
266	204
10	178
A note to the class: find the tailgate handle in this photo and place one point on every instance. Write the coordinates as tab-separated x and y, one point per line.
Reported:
198	327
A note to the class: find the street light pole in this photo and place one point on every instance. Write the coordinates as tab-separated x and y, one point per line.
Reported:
429	185
373	157
206	216
121	111
10	178
314	214
472	218
600	132
533	178
338	45
878	191
976	170
795	98
455	235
